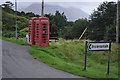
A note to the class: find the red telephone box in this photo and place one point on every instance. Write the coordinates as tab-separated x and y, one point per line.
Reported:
40	31
31	31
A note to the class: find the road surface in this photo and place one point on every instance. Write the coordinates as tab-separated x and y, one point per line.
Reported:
18	63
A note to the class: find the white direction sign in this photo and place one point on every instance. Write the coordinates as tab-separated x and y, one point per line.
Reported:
98	46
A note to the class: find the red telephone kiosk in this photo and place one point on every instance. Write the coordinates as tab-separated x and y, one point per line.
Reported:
39	31
31	31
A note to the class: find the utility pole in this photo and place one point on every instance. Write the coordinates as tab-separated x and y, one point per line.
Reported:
117	23
42	11
16	31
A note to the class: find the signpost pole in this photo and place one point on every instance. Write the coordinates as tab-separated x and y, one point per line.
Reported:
108	67
85	58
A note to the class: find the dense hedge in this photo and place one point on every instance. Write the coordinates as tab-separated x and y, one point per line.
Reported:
12	34
8	26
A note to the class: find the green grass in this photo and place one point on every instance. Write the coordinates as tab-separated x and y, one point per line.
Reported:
69	56
20	41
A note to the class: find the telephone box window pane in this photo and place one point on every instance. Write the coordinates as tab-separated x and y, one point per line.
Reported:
36	25
44	20
30	25
44	25
30	20
37	20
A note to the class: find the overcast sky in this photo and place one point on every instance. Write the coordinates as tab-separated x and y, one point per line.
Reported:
86	5
59	0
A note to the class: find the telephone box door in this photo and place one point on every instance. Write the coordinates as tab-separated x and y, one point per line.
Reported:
45	32
37	30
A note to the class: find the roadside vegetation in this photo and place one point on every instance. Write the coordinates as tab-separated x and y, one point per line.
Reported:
68	55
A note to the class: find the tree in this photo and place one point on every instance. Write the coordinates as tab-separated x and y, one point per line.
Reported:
8	21
57	23
7	6
79	27
74	29
110	33
22	13
103	17
30	14
60	21
68	32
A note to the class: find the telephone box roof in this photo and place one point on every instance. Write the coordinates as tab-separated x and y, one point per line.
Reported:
38	18
43	18
33	18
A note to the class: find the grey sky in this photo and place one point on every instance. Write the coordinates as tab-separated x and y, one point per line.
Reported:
86	5
60	0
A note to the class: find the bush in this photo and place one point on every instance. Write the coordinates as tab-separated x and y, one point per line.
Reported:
22	34
10	34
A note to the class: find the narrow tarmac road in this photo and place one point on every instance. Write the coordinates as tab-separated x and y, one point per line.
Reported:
18	63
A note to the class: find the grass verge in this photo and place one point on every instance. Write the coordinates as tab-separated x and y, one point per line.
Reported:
69	55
